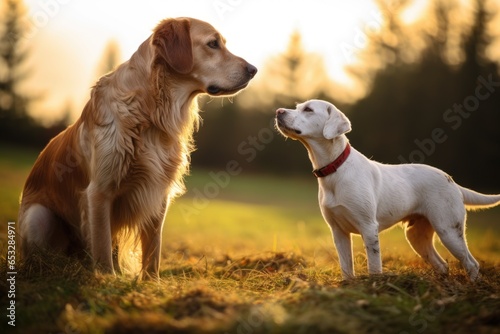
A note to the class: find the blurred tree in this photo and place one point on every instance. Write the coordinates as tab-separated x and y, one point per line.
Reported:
410	98
243	130
111	58
476	41
13	54
16	124
292	76
478	136
382	119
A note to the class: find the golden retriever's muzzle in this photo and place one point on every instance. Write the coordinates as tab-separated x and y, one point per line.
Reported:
242	79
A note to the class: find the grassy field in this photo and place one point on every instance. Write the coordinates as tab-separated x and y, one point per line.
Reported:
251	255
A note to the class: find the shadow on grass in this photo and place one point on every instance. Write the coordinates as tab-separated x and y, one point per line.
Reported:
262	293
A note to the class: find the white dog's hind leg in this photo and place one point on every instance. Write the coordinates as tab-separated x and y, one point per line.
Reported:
419	234
454	240
41	228
449	224
343	244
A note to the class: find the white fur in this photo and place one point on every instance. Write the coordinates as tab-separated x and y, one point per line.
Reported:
366	197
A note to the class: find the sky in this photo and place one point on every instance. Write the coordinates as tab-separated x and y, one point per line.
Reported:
66	38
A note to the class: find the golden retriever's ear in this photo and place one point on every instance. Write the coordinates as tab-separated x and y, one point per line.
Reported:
173	43
337	124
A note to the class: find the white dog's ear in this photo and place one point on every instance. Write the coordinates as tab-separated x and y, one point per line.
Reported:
336	124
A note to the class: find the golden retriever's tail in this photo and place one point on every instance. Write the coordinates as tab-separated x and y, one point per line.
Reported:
129	252
476	201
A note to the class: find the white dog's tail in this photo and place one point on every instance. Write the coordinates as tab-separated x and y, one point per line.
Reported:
475	201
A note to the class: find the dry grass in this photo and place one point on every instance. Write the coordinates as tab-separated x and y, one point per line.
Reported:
264	264
265	293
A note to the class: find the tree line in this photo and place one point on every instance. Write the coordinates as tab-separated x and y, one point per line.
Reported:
17	126
432	96
438	103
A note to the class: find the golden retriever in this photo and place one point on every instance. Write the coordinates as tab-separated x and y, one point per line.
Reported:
114	172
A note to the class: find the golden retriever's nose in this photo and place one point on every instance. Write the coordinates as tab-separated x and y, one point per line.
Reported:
252	70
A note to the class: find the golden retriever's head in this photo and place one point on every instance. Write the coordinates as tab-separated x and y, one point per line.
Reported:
313	119
194	51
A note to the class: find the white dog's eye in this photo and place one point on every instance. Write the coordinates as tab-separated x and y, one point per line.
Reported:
213	44
307	109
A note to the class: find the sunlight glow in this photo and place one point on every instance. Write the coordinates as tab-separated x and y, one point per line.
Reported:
68	37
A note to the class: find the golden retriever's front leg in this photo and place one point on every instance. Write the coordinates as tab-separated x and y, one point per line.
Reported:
99	209
151	237
151	249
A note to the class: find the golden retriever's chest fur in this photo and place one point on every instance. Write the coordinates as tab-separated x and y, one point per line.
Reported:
154	170
137	158
134	162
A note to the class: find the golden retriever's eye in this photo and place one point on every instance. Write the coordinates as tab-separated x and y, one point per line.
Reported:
307	109
213	44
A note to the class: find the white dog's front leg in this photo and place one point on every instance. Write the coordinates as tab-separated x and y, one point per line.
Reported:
343	244
372	248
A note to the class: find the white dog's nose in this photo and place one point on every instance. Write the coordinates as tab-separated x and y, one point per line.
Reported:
280	111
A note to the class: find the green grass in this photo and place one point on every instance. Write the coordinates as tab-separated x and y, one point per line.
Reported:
15	164
256	258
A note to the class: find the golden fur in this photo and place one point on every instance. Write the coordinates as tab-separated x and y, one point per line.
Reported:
117	168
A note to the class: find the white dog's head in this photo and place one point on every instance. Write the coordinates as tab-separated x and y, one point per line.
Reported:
313	119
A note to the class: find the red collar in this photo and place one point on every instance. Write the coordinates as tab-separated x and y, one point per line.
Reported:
333	166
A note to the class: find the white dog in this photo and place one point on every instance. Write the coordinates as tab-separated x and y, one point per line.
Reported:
358	195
